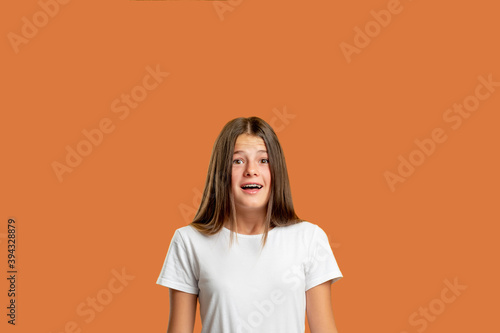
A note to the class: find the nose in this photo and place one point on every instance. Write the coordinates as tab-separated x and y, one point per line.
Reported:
251	169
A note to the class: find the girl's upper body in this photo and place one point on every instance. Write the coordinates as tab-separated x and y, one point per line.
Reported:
244	289
280	265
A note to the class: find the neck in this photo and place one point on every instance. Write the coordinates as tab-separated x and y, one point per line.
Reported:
249	222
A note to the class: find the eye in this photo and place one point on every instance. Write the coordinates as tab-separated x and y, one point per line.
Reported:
236	160
266	161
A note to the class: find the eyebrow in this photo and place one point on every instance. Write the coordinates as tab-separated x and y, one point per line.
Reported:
241	151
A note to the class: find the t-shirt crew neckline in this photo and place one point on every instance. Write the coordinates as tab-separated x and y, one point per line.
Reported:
248	236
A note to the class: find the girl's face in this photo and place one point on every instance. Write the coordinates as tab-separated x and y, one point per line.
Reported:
250	166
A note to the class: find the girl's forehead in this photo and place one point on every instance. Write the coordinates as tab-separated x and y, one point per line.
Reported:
246	141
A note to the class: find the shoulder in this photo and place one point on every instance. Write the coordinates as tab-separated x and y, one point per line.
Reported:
302	230
186	233
304	226
189	236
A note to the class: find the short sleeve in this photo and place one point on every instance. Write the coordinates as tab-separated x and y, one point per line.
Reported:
321	265
177	272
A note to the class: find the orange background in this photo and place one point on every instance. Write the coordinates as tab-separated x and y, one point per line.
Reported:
119	208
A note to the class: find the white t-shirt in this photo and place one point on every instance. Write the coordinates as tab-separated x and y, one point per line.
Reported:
242	291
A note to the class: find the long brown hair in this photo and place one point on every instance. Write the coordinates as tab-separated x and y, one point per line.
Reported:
217	202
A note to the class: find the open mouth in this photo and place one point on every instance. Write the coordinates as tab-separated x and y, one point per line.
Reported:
251	187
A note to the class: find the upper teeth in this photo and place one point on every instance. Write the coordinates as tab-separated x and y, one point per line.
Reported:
252	185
